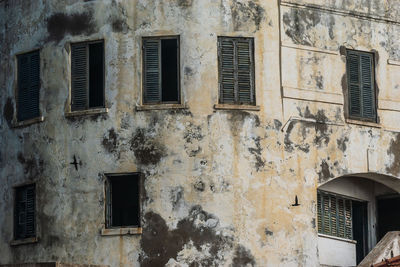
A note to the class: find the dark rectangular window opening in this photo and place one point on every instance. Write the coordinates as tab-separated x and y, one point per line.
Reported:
24	212
236	70
123	201
361	85
28	86
87	75
161	70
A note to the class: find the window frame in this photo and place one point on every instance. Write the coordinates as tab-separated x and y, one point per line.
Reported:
16	121
143	84
253	97
348	114
99	109
108	205
31	239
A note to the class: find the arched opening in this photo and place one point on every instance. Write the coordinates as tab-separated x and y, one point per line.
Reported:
354	213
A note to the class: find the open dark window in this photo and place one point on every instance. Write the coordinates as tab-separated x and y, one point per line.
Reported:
24	212
28	86
87	75
123	200
361	85
161	70
236	70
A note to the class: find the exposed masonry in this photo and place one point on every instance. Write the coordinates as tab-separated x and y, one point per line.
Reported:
219	184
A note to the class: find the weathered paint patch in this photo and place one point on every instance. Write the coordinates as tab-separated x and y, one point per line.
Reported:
160	244
394	150
32	166
60	24
243	12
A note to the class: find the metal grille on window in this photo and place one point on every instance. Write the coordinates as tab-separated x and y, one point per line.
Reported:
334	215
25	212
236	70
28	86
361	88
87	75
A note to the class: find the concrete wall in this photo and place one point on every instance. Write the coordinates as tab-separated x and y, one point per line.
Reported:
219	184
336	252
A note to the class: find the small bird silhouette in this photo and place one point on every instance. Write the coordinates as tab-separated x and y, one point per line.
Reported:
296	202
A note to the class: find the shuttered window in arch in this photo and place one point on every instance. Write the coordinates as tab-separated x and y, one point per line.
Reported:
28	86
361	85
334	215
87	75
24	213
236	70
161	70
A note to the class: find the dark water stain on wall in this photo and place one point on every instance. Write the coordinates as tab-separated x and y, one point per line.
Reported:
242	257
324	174
243	13
257	152
8	111
60	24
147	150
200	228
110	142
32	167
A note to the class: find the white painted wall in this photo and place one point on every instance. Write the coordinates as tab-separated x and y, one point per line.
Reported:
335	252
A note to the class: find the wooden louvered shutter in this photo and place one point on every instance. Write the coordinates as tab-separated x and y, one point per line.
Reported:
79	76
227	70
108	203
25	212
319	212
28	86
367	89
348	219
152	73
354	84
244	71
360	77
325	215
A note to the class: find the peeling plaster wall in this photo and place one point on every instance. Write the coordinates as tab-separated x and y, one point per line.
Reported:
218	184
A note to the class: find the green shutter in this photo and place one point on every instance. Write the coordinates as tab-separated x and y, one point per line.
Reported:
236	70
25	212
152	73
28	86
361	88
79	76
367	89
227	70
244	71
334	215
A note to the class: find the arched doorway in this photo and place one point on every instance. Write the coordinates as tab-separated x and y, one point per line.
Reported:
354	212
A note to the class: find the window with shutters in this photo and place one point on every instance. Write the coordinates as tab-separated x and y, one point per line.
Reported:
28	84
123	200
236	70
161	70
24	212
334	215
361	85
87	75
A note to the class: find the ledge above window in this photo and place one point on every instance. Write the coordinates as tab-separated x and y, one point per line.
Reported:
18	242
160	107
121	231
17	124
86	112
236	107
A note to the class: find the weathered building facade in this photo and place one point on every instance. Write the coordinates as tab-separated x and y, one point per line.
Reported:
220	182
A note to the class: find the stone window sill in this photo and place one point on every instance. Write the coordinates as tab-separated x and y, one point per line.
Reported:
121	231
363	123
86	112
18	242
236	107
17	124
338	238
160	107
